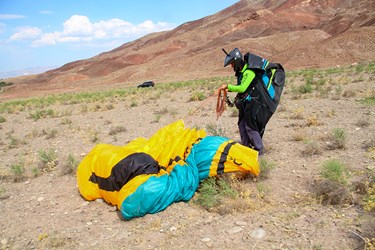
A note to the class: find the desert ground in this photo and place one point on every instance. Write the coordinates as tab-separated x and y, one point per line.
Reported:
41	208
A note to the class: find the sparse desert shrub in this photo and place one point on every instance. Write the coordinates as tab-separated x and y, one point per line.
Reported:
323	91
18	170
155	96
320	82
310	148
364	191
295	91
339	136
116	130
368	100
156	118
335	170
13	142
265	168
3	84
43	113
306	88
369	146
369	198
331	192
35	171
332	189
173	112
338	90
133	104
337	139
225	187
94	136
66	112
109	106
360	68
362	123
197	96
349	93
48	160
312	121
207	193
331	113
2	192
66	121
2	119
298	113
162	111
262	189
299	136
84	108
213	191
70	165
97	107
214	130
50	134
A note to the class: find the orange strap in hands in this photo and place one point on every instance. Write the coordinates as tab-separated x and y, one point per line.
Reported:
220	105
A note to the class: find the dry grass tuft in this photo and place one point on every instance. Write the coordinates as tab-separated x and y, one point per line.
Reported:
331	192
311	148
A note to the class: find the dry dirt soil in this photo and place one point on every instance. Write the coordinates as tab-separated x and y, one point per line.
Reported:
47	211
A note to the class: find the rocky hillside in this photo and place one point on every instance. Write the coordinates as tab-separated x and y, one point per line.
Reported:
296	33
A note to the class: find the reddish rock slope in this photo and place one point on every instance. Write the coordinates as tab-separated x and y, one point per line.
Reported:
296	33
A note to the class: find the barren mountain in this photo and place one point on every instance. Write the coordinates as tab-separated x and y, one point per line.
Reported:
295	33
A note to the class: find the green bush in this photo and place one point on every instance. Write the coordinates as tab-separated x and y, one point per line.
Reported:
339	137
207	193
197	96
18	171
265	168
213	190
48	160
214	130
70	165
335	171
305	89
3	84
368	100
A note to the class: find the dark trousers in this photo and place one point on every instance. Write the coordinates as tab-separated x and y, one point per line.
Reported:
249	137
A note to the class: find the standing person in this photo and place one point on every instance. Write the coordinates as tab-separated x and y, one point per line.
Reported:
256	97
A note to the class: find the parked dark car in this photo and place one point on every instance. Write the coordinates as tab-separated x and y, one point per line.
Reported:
146	84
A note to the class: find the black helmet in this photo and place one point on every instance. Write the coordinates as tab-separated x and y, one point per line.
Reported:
235	57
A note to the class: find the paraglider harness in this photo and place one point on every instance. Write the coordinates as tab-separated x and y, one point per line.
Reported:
260	100
267	86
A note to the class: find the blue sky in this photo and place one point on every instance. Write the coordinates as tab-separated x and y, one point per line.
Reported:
50	33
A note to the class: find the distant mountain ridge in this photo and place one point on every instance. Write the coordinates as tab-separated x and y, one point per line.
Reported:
295	33
25	71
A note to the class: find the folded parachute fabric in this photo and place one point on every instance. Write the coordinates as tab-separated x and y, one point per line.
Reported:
146	176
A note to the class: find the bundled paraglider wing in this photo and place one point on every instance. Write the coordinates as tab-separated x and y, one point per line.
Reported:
146	176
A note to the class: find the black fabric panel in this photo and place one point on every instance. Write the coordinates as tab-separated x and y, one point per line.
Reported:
254	61
257	115
125	170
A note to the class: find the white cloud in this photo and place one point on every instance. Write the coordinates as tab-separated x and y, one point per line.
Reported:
78	25
46	39
79	29
11	16
26	33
